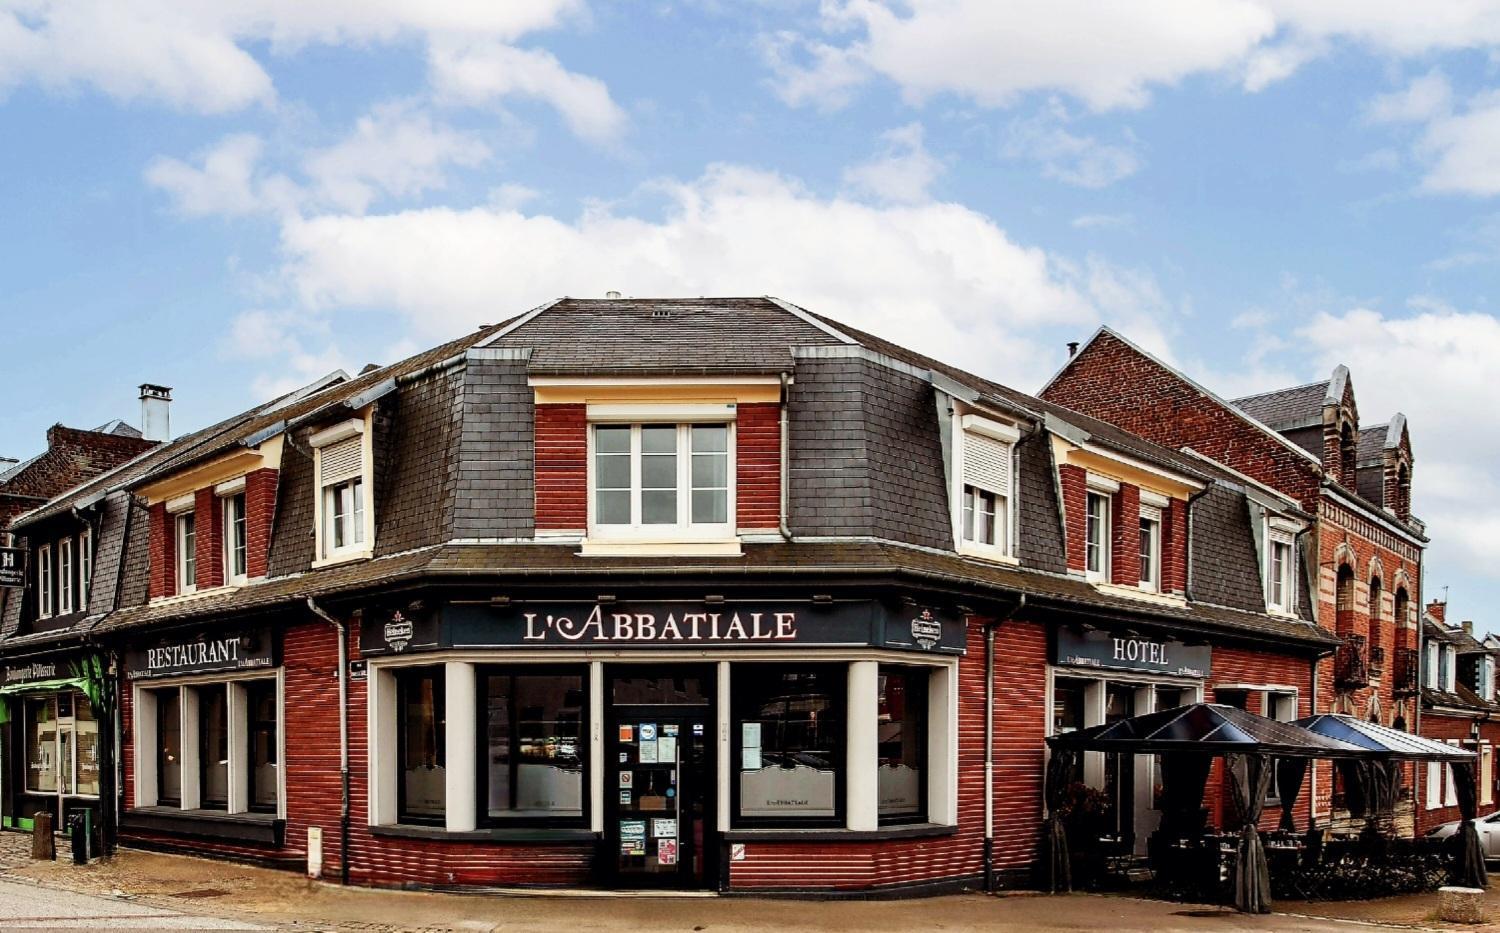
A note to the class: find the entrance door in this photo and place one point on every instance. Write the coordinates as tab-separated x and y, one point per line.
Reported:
659	777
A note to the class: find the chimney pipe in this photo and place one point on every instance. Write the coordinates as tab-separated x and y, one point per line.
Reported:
611	295
156	412
1072	349
1468	626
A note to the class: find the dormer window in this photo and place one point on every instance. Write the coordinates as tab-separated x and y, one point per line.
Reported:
662	481
1430	676
1097	536
1151	548
236	539
44	606
1450	669
984	486
1281	569
65	576
344	521
187	555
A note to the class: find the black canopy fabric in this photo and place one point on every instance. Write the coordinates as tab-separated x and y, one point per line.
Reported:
1250	781
1208	728
1381	741
1059	866
1289	775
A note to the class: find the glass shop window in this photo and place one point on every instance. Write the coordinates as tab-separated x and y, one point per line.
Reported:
213	746
1067	712
902	744
420	718
788	732
534	744
260	699
41	745
169	752
85	747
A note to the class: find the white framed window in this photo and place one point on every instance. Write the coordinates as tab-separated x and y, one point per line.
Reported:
1281	589
44	605
1434	785
670	481
984	486
1430	675
1450	673
1150	548
344	517
85	566
1097	533
235	540
64	576
187	556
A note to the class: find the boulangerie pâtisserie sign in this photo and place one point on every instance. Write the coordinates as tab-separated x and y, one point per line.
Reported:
658	625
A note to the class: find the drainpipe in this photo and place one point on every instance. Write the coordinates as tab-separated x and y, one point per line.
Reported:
786	534
989	741
343	735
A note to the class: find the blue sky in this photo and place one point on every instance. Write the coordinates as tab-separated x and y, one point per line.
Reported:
235	200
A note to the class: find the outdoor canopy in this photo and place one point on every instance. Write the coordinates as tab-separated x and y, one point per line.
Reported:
1382	740
1209	729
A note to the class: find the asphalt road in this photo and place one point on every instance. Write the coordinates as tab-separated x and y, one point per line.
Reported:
33	907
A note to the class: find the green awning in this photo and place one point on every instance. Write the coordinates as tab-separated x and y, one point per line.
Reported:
44	686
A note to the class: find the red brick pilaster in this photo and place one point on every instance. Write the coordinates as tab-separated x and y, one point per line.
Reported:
208	534
561	467
1075	513
1174	547
260	513
758	466
163	552
1125	536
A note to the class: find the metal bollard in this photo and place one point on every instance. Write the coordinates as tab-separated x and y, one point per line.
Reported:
78	832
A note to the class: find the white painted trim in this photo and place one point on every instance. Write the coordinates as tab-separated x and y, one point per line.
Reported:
518	322
649	412
596	763
1155	500
143	712
723	758
1005	433
236	705
807	318
1134	463
380	726
611	381
191	771
230	488
334	433
1102	484
460	772
180	504
862	752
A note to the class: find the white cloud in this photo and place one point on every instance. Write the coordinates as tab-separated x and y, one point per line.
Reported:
1102	221
902	173
1464	149
196	56
1083	161
395	150
941	277
478	72
1426	97
1106	53
226	181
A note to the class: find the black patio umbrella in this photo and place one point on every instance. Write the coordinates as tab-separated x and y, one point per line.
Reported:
1196	732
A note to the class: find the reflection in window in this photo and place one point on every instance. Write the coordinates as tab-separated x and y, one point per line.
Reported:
86	746
260	698
790	730
535	744
420	715
213	746
41	745
169	752
1067	713
902	742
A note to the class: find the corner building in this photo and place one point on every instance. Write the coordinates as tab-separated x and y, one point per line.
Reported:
708	593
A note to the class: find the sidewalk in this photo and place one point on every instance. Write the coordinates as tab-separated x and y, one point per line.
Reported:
232	893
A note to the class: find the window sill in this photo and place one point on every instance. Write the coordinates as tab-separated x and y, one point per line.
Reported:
343	557
994	556
486	834
904	831
646	548
1135	592
254	828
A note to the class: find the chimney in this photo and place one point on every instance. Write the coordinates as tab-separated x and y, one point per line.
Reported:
1437	610
1072	349
1468	627
612	295
156	412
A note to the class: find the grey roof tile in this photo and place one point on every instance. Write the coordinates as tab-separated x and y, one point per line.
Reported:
1282	408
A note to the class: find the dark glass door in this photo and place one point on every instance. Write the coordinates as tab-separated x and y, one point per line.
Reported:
659	779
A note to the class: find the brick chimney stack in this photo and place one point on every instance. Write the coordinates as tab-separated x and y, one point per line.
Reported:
1438	610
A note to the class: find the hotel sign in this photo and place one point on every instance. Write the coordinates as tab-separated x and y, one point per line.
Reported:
235	651
1096	648
669	625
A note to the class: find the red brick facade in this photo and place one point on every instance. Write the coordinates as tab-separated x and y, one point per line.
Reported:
1125	536
72	457
562	463
163	552
260	517
1174	548
1075	514
208	539
757	454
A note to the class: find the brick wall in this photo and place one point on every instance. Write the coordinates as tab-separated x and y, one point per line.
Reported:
1242	666
1075	514
561	467
72	457
208	539
758	465
163	552
260	518
1125	536
1174	547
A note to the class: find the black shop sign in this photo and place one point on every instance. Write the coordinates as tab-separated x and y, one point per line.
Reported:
12	567
665	625
202	654
1098	648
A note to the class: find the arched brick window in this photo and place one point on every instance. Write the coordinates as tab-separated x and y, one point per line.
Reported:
1345	604
1404	635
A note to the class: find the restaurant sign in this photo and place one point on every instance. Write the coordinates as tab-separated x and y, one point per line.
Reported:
237	651
686	624
1097	648
12	567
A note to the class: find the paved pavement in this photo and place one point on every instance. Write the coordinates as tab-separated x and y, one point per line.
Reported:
32	906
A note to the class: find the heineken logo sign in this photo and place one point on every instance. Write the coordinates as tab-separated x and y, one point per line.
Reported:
203	654
926	630
398	631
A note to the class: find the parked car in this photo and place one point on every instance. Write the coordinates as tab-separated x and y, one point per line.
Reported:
1489	833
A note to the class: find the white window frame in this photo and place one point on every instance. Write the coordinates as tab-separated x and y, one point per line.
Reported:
1450	669
1280	535
226	510
85	566
1106	531
65	586
1430	659
684	530
44	604
1434	785
186	582
322	500
1003	549
1152	515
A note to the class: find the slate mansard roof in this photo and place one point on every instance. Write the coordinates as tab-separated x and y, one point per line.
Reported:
1281	409
453	474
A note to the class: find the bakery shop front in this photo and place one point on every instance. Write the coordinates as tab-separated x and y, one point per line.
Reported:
674	737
